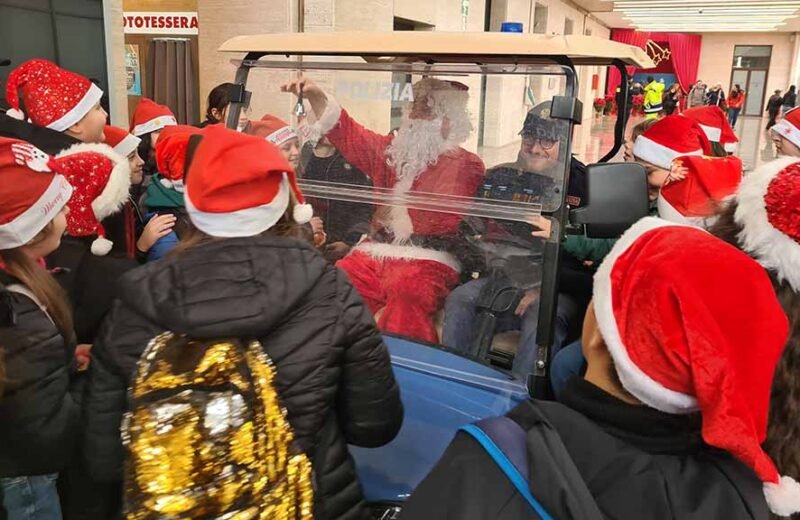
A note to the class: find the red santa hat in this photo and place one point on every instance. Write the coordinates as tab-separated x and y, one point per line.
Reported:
122	141
766	210
149	116
680	312
715	124
245	200
51	96
101	179
709	181
31	195
171	150
789	126
273	129
670	138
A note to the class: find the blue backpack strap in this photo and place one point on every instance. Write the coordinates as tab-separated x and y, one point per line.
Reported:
504	441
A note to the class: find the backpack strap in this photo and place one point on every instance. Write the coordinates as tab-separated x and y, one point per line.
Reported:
504	441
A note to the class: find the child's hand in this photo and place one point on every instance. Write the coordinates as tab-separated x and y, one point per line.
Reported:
158	226
678	172
318	227
83	356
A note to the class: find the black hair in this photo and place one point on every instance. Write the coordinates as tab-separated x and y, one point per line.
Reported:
792	88
650	79
218	98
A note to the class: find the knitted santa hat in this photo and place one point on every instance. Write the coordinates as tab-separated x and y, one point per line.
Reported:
670	138
32	195
149	116
245	200
767	210
680	312
273	129
122	141
171	150
789	126
715	124
50	96
101	179
709	182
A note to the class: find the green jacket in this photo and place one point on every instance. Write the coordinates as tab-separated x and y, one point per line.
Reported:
584	248
159	196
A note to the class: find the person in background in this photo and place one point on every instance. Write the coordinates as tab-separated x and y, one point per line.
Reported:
149	119
697	95
716	127
672	99
238	275
219	99
716	96
653	98
786	134
789	99
637	89
774	105
670	417
39	415
735	104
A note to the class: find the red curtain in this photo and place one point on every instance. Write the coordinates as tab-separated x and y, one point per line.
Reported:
631	37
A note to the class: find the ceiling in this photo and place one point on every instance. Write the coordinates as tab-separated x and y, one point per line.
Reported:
697	15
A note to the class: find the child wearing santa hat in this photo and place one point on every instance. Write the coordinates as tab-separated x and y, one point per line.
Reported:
786	134
682	340
58	99
39	415
715	124
240	274
149	119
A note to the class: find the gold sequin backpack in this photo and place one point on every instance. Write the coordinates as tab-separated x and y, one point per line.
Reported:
206	436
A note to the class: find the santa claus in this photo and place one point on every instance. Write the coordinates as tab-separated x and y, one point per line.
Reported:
408	264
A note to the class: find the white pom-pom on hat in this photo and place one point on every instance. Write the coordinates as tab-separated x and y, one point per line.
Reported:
302	213
783	498
101	246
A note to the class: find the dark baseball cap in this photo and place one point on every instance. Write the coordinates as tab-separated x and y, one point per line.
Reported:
538	123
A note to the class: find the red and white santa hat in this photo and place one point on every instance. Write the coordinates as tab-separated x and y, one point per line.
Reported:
670	138
708	183
50	96
680	312
767	210
149	116
101	179
171	150
245	200
789	126
273	129
715	124
122	141
31	194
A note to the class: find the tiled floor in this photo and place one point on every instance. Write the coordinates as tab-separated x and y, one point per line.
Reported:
593	141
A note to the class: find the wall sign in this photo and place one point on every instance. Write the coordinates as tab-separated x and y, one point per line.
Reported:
133	70
146	22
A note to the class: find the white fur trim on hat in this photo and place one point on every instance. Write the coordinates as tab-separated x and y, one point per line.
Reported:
788	130
731	147
633	378
382	251
280	136
178	186
783	498
30	222
657	154
117	190
127	145
101	246
246	222
86	104
771	248
713	133
155	124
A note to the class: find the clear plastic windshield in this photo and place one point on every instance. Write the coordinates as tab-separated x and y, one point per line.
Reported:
433	187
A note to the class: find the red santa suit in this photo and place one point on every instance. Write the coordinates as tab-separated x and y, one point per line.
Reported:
396	270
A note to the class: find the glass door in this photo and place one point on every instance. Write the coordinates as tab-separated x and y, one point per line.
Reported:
756	88
750	69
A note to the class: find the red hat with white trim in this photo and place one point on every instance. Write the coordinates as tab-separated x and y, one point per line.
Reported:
31	195
670	138
273	129
242	201
101	179
709	182
789	126
680	311
51	96
149	116
122	141
767	203
715	124
171	150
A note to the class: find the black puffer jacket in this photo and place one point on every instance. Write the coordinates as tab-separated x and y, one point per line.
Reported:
39	418
334	375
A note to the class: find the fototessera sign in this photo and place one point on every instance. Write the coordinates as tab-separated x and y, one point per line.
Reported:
146	22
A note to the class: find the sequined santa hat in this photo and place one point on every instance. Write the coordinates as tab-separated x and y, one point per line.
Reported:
273	129
715	124
171	152
670	138
680	311
50	96
101	179
122	141
149	117
767	210
245	200
789	126
31	195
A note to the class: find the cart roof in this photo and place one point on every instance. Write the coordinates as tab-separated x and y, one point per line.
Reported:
443	47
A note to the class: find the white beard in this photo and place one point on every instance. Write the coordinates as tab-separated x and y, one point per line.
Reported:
418	144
